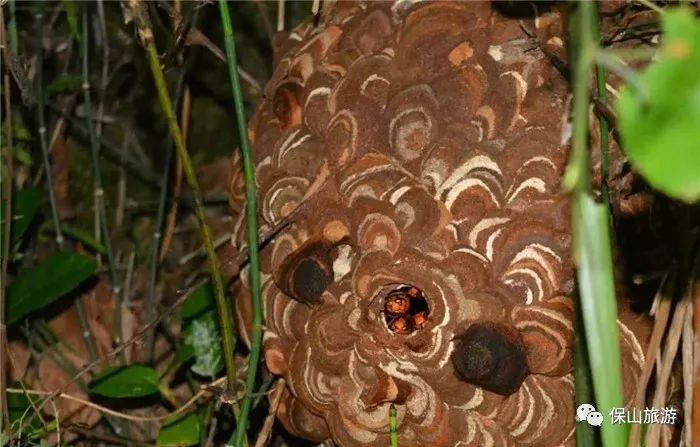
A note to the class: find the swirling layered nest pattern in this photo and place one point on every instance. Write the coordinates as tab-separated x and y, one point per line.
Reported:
406	149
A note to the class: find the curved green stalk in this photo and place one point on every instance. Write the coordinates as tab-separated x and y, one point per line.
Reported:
138	13
251	221
160	218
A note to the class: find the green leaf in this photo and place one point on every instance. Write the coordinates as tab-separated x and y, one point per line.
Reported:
125	382
200	301
19	407
72	16
20	130
83	236
45	283
599	310
203	337
25	204
65	84
659	118
183	355
22	155
179	431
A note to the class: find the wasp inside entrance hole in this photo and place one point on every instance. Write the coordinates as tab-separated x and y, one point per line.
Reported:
406	310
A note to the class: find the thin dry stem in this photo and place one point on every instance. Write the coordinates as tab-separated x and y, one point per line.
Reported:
270	419
662	304
669	355
50	396
177	189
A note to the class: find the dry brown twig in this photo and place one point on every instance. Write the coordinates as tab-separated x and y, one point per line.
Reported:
669	355
177	190
270	419
50	396
662	303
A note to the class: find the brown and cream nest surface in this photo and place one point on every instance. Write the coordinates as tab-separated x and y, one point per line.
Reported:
413	152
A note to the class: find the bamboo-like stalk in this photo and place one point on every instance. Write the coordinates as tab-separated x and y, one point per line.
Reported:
251	210
99	190
87	334
138	13
42	127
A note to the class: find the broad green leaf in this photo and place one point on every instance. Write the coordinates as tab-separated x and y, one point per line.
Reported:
659	119
45	283
203	337
125	382
179	431
200	301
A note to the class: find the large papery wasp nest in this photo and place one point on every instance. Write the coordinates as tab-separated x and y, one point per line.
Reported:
410	156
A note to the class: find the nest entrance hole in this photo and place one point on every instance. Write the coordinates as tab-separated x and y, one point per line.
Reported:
406	310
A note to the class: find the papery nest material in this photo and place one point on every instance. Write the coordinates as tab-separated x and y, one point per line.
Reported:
421	146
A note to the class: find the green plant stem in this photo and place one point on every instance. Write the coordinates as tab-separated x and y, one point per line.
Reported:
604	128
583	388
651	5
251	222
162	204
42	127
157	234
611	61
393	433
225	318
99	190
592	251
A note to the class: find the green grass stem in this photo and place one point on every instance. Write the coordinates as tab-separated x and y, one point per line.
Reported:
592	249
251	224
393	423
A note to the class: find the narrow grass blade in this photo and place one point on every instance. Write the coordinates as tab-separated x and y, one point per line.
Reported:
599	309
